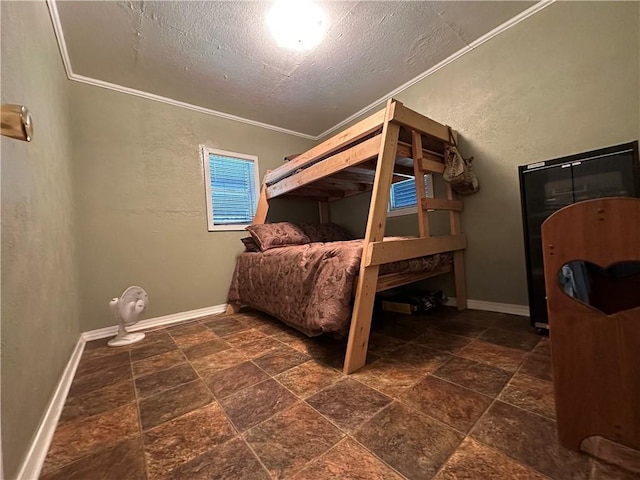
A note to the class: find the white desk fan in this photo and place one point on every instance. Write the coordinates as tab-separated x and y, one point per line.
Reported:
127	310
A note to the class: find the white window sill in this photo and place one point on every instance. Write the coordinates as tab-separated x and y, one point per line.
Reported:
399	212
229	228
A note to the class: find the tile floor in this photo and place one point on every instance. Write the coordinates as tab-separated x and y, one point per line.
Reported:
446	396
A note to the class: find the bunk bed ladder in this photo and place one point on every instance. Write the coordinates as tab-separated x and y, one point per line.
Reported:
422	166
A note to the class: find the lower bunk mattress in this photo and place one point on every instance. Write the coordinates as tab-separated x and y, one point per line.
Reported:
310	287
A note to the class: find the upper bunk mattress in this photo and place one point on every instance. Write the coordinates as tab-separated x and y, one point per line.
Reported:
310	287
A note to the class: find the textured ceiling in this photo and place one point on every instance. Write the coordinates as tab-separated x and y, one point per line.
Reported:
220	55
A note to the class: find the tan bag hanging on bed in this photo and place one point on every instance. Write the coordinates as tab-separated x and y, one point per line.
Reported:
457	170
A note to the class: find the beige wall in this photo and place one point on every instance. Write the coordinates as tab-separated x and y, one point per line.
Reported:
39	281
563	81
141	201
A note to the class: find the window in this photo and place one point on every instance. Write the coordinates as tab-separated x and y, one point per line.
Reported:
402	198
231	185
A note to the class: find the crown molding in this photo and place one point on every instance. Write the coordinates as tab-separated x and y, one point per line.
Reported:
62	45
463	51
57	26
176	103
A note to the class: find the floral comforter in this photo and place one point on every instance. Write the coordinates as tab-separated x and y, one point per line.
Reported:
310	287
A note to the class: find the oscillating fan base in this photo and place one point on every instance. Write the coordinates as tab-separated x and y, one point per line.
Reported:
126	339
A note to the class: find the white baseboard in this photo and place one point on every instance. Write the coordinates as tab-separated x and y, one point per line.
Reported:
34	459
511	309
156	322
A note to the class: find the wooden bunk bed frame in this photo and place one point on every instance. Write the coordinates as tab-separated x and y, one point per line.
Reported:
384	148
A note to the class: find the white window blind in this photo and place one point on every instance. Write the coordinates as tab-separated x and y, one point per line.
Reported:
232	189
403	194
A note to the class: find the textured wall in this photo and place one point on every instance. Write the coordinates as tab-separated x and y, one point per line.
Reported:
563	81
141	201
39	281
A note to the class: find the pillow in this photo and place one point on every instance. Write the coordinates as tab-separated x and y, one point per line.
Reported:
325	232
273	235
250	244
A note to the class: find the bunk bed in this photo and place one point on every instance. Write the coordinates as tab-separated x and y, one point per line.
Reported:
391	145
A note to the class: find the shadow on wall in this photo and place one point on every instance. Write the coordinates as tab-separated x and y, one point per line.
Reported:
296	211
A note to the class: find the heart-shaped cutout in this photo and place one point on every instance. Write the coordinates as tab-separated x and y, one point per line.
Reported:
613	289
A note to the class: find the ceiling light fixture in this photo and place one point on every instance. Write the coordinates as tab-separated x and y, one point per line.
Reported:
297	24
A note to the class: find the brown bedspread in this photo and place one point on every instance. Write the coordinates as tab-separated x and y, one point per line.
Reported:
309	287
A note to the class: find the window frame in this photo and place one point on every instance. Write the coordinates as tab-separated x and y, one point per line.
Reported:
399	212
205	153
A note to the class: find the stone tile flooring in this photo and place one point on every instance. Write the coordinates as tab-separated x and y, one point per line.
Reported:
446	396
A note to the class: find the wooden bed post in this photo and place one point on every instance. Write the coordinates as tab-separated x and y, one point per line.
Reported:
324	212
416	151
458	256
356	356
231	309
263	207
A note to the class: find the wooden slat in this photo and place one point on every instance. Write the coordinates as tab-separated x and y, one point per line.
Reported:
404	170
398	168
442	204
324	212
310	198
327	190
262	208
393	280
311	191
454	217
338	184
394	250
365	176
351	194
368	165
405	150
429	166
363	169
350	135
431	153
429	163
398	279
409	118
460	279
356	355
416	148
340	161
